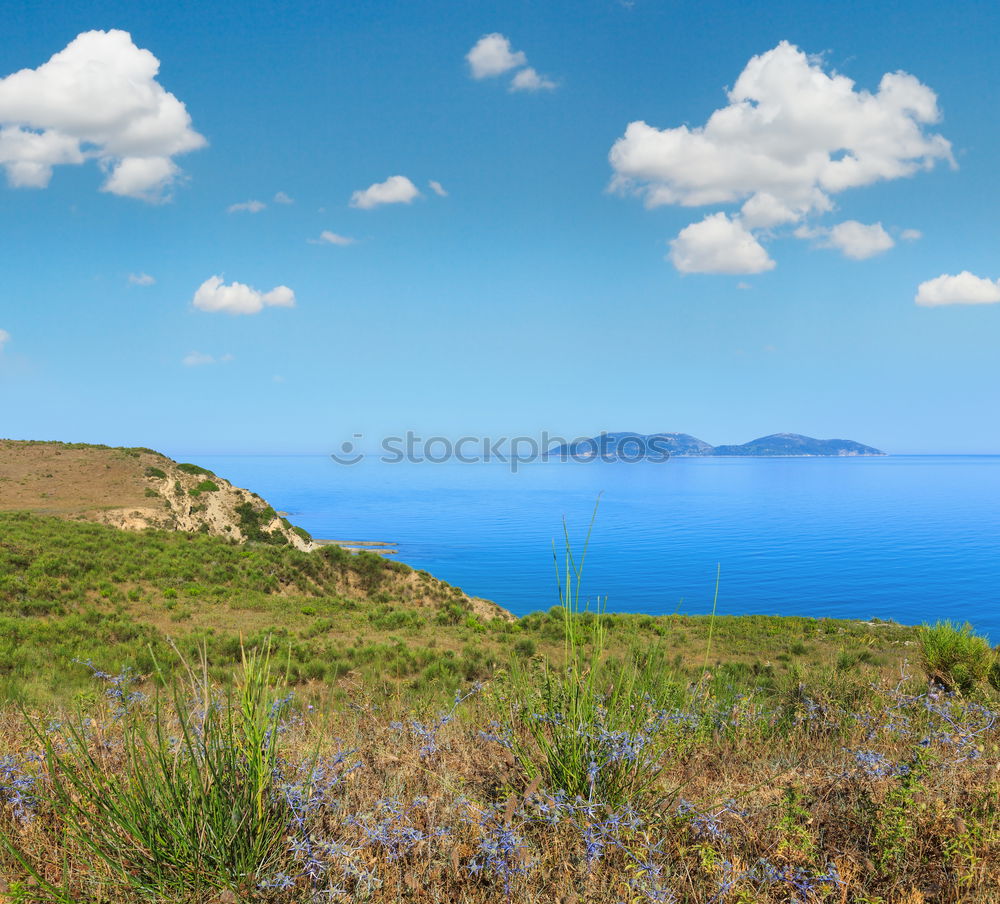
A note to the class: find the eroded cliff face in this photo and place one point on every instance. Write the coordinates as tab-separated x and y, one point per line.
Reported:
207	503
134	489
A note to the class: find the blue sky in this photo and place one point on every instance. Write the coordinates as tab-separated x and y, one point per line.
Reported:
538	294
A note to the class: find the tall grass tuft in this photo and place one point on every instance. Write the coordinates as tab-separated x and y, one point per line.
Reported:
953	656
186	802
586	726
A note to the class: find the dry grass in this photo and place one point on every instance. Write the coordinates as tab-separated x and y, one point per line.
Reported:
871	794
72	479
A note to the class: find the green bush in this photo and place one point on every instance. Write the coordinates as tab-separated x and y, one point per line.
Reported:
189	468
199	806
252	523
525	648
955	657
156	472
567	724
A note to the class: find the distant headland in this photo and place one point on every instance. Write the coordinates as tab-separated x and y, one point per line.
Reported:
635	446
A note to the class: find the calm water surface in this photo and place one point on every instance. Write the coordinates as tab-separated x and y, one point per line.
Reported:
910	538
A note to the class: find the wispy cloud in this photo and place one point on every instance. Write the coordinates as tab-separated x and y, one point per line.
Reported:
200	359
246	207
140	279
438	189
332	238
4	339
282	198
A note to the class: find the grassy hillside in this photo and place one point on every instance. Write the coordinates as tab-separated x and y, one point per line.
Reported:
73	590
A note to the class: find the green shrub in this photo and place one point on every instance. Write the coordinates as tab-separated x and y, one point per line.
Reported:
252	523
564	723
156	472
525	648
198	807
206	486
189	468
847	660
955	657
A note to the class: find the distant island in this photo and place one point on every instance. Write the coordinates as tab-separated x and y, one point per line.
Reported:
635	446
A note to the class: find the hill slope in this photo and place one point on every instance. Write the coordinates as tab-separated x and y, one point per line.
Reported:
135	489
784	444
74	591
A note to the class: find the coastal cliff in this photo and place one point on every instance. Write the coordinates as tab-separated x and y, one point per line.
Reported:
135	489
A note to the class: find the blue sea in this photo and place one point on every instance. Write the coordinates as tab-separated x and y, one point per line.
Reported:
907	538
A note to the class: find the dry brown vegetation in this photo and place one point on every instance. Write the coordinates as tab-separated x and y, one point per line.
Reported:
885	794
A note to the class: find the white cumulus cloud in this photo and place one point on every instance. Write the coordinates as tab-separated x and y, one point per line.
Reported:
492	55
332	238
237	298
395	190
792	136
855	240
529	80
790	131
140	279
246	207
438	189
98	98
718	244
911	235
4	339
282	198
963	288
